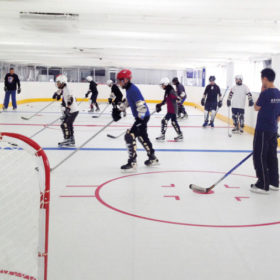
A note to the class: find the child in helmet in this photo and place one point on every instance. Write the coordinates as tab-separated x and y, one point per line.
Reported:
209	101
69	108
236	100
171	99
116	96
140	111
94	92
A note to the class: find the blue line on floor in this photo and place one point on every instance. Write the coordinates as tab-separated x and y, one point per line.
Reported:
157	150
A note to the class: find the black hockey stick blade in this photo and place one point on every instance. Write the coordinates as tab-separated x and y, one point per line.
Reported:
25	118
111	136
95	117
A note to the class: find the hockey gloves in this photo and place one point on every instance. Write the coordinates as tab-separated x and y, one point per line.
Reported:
66	113
158	107
251	103
19	91
228	103
56	96
5	89
116	114
220	104
110	100
87	94
203	101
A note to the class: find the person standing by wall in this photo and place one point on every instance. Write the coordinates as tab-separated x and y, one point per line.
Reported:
265	138
212	98
12	84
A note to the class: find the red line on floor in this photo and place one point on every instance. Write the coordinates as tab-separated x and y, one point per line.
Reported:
82	186
76	196
102	125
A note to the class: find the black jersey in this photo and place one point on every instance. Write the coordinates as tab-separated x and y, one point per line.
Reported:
12	81
117	94
93	88
212	92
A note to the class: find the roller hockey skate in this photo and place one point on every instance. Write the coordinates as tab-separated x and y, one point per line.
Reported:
241	130
70	142
161	137
205	124
97	108
130	166
151	161
91	110
235	130
211	124
179	138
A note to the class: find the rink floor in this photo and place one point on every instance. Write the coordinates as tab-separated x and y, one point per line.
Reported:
108	225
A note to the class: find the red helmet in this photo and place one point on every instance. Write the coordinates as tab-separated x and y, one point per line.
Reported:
124	74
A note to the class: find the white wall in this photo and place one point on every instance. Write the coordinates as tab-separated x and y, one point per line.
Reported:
32	90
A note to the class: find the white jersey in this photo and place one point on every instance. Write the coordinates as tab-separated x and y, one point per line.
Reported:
67	97
239	96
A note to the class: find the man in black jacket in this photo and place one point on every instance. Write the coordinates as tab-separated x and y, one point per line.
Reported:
12	84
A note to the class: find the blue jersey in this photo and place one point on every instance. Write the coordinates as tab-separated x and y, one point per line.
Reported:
133	95
269	101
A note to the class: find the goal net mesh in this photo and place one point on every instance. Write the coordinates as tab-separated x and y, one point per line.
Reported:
22	223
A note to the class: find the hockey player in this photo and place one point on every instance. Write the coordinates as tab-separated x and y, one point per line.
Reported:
116	96
69	110
180	90
140	111
94	92
236	100
171	99
209	101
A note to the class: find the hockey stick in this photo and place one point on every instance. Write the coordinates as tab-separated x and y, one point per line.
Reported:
115	137
45	126
79	148
100	114
28	118
49	124
229	134
222	100
206	190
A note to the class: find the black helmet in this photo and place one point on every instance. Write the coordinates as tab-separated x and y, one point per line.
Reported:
212	78
175	80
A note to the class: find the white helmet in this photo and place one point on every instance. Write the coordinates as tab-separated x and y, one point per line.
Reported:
109	82
164	81
239	77
89	78
61	79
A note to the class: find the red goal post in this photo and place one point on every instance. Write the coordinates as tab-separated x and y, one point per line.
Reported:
24	208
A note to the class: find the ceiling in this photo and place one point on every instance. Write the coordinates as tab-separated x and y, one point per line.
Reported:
160	34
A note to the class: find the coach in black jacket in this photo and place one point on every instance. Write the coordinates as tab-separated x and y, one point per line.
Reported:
12	84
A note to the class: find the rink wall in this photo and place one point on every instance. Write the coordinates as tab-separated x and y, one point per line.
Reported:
43	91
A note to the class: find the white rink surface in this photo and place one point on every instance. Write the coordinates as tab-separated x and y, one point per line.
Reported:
107	225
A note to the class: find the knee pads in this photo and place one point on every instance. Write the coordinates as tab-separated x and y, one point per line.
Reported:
129	137
65	129
176	126
164	122
235	118
163	126
241	119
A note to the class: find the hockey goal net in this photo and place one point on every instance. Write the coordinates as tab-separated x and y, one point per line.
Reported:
24	208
